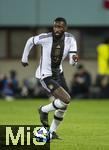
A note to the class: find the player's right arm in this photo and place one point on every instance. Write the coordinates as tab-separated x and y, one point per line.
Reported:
29	44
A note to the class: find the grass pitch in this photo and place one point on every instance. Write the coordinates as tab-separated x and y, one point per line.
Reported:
85	127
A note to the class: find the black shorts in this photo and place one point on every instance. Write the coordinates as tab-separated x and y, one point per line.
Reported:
51	84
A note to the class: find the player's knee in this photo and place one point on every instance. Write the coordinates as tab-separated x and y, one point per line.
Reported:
61	94
67	99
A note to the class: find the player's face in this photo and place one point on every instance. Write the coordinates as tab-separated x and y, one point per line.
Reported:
59	28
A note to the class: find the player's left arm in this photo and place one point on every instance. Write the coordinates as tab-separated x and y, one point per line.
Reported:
73	56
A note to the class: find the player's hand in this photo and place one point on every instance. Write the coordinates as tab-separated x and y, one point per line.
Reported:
75	58
24	64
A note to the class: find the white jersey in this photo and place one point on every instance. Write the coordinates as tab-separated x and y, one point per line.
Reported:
46	40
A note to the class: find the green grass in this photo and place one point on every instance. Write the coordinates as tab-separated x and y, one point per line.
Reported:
85	127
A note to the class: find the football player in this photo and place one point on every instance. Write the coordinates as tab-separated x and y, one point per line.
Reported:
56	46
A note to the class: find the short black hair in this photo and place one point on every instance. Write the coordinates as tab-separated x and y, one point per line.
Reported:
61	19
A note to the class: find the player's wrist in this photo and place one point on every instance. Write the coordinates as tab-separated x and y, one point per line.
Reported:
24	63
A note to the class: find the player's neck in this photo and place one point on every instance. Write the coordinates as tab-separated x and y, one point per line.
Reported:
58	38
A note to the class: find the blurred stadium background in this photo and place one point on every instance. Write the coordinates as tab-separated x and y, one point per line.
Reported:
88	20
21	19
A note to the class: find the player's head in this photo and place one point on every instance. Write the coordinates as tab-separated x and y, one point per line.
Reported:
59	27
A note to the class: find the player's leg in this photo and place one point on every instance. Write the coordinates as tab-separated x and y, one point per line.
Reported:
59	113
62	98
61	101
61	94
58	118
62	91
44	110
